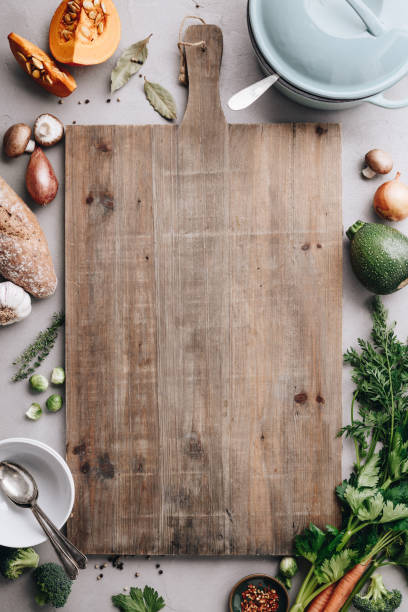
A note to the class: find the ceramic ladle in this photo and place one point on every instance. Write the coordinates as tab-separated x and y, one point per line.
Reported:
20	487
249	95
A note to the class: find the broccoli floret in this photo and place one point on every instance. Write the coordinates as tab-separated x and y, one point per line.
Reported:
53	585
377	599
14	560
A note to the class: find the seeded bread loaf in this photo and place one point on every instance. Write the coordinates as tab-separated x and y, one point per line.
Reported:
24	256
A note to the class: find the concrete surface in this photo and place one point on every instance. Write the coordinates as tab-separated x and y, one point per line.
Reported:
191	584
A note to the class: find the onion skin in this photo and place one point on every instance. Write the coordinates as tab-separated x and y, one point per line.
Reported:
41	182
391	200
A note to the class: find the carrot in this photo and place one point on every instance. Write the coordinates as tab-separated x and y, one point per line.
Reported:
345	587
319	602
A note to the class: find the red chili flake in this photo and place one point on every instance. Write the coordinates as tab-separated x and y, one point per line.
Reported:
259	599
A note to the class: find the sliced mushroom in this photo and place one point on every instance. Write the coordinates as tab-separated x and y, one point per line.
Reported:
378	162
48	130
17	140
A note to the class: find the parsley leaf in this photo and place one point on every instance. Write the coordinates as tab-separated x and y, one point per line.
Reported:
356	497
147	600
309	542
334	568
371	508
370	473
153	601
393	513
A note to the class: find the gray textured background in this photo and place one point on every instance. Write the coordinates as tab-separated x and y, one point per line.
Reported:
189	584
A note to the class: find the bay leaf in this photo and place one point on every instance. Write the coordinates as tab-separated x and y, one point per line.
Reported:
129	63
161	100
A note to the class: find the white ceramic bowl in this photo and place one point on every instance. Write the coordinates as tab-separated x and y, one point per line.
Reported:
18	527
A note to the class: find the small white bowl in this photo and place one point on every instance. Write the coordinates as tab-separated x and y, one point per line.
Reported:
18	527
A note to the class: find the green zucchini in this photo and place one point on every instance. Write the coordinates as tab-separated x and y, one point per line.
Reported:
379	256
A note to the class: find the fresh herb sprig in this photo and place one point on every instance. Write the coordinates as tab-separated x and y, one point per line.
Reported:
38	350
147	600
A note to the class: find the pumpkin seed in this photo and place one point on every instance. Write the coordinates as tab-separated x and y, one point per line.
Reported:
28	66
92	14
48	79
70	27
103	7
67	18
37	63
99	19
97	2
88	5
66	34
100	28
21	56
36	74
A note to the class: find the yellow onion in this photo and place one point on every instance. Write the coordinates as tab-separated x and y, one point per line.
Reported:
391	200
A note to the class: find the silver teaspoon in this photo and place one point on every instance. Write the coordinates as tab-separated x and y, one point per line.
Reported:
20	487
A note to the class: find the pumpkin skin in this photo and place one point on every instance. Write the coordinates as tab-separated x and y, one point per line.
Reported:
59	81
84	32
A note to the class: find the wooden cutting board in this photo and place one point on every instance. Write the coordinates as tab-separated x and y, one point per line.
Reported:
203	302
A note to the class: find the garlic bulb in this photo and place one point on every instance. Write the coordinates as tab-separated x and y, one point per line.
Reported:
15	303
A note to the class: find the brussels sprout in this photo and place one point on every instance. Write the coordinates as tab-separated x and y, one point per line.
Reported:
38	382
58	376
287	569
54	402
34	412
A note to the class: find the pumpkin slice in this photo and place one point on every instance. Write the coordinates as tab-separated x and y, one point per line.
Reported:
84	32
41	68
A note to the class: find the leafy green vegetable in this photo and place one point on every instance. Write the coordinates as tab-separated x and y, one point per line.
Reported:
310	542
58	376
393	513
356	497
371	508
147	600
370	472
129	63
34	412
38	350
334	568
161	100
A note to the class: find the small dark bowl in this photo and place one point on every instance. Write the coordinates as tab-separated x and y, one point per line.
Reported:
259	580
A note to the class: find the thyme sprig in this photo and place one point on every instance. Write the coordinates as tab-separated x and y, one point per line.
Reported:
38	350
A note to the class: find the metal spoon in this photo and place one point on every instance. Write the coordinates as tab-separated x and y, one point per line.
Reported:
20	487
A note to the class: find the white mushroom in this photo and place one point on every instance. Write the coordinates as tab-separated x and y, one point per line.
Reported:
378	162
17	140
48	130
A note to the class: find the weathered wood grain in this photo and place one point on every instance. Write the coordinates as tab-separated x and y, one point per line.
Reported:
203	300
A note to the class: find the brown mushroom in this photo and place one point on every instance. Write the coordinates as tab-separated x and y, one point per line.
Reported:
378	162
48	130
17	140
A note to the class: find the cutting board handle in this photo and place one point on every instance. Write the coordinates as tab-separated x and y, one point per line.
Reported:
203	68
